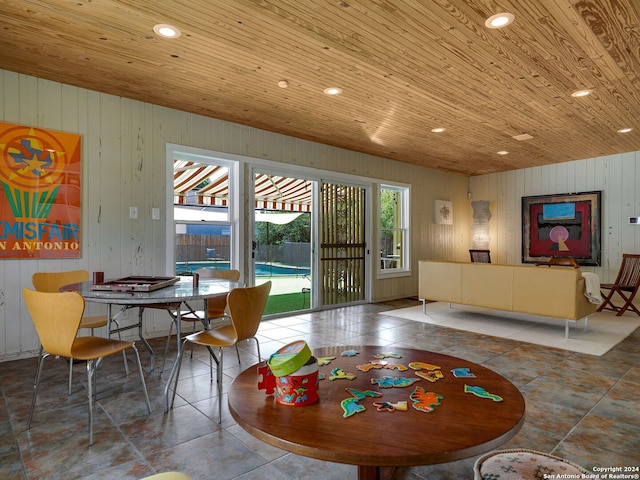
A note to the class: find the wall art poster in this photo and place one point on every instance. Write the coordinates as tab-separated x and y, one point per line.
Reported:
566	225
444	212
40	193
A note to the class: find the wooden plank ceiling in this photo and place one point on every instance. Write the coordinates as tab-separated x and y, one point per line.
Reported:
405	67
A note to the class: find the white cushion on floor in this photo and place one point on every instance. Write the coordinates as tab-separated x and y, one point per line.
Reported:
522	465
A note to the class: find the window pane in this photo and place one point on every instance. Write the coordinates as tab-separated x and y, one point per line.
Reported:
202	245
392	228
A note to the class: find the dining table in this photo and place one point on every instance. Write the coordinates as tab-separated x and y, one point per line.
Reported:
381	408
175	298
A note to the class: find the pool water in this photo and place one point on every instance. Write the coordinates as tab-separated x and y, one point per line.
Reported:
262	269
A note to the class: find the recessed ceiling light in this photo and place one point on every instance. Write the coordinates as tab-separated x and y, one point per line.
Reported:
437	130
582	93
283	84
502	152
625	130
499	20
333	91
166	31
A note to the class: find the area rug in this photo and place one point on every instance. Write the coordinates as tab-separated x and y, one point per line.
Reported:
605	330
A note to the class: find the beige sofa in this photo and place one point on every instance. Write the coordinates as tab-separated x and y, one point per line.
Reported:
540	290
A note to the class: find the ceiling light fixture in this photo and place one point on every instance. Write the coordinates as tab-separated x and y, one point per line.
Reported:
625	130
499	20
333	91
437	130
502	152
582	93
283	84
166	31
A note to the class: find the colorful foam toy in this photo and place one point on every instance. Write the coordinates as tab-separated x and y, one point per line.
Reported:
377	365
390	407
349	353
266	379
340	374
423	366
391	382
462	373
350	405
482	393
425	401
325	360
384	355
431	376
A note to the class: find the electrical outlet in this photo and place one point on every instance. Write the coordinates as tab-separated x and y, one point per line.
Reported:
133	212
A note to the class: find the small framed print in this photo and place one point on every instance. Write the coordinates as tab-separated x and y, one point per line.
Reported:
444	212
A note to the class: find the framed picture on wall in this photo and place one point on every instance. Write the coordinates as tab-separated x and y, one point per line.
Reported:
566	225
444	212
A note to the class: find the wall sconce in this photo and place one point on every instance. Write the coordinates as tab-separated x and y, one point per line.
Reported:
480	226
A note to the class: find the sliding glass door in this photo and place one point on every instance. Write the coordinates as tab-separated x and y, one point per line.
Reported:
343	245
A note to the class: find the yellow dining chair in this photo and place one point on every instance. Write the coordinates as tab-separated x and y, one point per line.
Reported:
246	306
57	318
53	282
216	307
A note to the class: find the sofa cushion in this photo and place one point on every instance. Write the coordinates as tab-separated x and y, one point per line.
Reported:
487	285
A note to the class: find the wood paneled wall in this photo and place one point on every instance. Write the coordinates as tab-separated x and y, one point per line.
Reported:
124	164
617	176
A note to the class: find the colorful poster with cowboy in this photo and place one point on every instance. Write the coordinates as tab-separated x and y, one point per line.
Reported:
40	193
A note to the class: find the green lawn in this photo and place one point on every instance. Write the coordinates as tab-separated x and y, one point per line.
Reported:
287	302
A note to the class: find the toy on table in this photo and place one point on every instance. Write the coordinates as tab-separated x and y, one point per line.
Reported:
431	376
390	407
289	358
266	379
325	360
377	365
384	355
423	366
425	401
482	393
340	374
349	353
350	406
391	382
462	373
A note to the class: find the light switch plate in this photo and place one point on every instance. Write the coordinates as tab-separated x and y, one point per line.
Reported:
133	212
155	214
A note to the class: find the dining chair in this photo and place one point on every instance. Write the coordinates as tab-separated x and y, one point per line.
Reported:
216	307
246	306
57	318
626	286
53	282
480	256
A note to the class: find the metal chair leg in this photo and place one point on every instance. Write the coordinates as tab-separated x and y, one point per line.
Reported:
175	385
90	379
141	373
166	348
36	385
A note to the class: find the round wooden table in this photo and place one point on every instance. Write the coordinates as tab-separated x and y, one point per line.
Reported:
462	426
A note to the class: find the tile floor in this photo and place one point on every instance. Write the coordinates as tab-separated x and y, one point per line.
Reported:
580	407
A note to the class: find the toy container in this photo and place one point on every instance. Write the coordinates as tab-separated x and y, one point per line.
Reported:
299	388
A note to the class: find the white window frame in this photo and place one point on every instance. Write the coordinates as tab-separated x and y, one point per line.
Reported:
403	269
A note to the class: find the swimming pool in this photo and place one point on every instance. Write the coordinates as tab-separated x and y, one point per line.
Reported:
262	269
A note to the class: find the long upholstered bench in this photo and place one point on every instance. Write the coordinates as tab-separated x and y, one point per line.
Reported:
550	291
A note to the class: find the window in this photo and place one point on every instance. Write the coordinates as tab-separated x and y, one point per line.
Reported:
393	229
202	217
